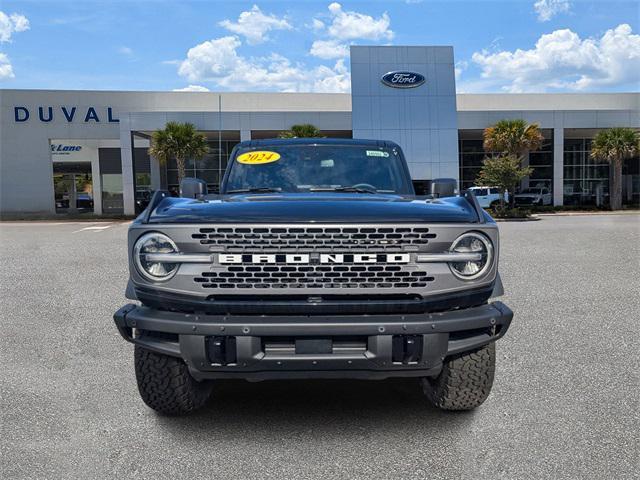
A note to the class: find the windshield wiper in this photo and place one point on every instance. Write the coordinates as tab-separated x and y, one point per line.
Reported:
342	189
255	190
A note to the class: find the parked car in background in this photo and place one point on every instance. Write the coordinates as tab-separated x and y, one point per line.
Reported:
533	196
84	201
488	197
143	197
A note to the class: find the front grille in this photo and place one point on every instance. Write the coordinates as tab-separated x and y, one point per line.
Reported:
315	276
317	239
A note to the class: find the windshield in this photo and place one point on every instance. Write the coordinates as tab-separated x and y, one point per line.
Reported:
312	168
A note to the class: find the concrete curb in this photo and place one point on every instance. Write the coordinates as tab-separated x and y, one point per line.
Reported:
569	214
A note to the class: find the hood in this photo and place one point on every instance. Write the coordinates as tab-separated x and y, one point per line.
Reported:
313	208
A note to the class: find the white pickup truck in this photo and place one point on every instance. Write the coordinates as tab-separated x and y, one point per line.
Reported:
488	197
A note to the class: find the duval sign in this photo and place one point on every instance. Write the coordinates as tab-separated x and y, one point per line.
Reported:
403	79
65	113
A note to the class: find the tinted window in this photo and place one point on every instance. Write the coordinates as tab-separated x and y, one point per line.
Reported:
301	168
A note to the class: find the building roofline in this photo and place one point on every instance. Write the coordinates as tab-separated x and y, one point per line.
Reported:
547	101
341	102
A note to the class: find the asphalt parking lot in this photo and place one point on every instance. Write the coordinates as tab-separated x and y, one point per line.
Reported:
565	403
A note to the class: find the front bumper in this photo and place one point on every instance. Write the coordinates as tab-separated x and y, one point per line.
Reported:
359	346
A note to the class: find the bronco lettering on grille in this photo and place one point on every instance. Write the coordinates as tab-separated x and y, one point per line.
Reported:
305	258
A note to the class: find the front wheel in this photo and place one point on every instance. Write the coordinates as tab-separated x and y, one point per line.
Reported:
465	380
166	385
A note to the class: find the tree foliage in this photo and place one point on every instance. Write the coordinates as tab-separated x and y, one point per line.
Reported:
304	130
512	138
180	141
504	172
614	146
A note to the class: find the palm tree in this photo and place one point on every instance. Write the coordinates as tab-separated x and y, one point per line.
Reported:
304	130
614	146
513	139
180	141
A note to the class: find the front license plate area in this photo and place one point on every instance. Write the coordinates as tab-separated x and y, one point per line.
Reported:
314	345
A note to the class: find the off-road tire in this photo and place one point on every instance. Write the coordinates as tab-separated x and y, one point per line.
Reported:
165	384
465	381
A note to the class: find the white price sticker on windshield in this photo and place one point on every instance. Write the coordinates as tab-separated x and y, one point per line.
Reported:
377	153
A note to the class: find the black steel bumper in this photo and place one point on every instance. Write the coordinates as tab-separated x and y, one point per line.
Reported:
260	347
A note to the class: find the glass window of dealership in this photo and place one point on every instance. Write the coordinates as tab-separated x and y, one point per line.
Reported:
585	180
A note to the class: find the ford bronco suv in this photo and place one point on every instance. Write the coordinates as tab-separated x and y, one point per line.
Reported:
315	260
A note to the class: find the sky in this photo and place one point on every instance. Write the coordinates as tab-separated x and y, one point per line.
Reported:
499	46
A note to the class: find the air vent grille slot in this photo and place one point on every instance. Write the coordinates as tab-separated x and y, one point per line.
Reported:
318	239
315	276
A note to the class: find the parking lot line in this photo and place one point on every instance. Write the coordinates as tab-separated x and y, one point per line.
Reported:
94	228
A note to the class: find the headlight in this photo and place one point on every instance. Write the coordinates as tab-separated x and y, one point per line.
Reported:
154	243
472	243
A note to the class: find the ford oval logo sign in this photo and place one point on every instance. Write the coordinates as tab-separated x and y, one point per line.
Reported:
403	79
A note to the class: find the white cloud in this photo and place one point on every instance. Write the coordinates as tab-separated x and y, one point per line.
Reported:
547	9
329	49
254	25
561	60
6	70
219	62
10	24
192	88
125	51
211	59
460	67
346	25
332	80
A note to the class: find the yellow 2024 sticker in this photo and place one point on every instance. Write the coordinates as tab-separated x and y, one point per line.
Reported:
258	157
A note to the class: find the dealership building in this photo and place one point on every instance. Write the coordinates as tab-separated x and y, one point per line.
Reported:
86	151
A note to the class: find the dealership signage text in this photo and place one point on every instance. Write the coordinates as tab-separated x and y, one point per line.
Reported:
61	149
66	113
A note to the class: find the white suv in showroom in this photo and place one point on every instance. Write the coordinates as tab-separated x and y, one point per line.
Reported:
534	196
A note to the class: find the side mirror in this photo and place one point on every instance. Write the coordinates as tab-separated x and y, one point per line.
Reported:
192	187
444	187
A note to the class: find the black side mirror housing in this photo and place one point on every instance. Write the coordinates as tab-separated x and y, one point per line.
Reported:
444	187
192	187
